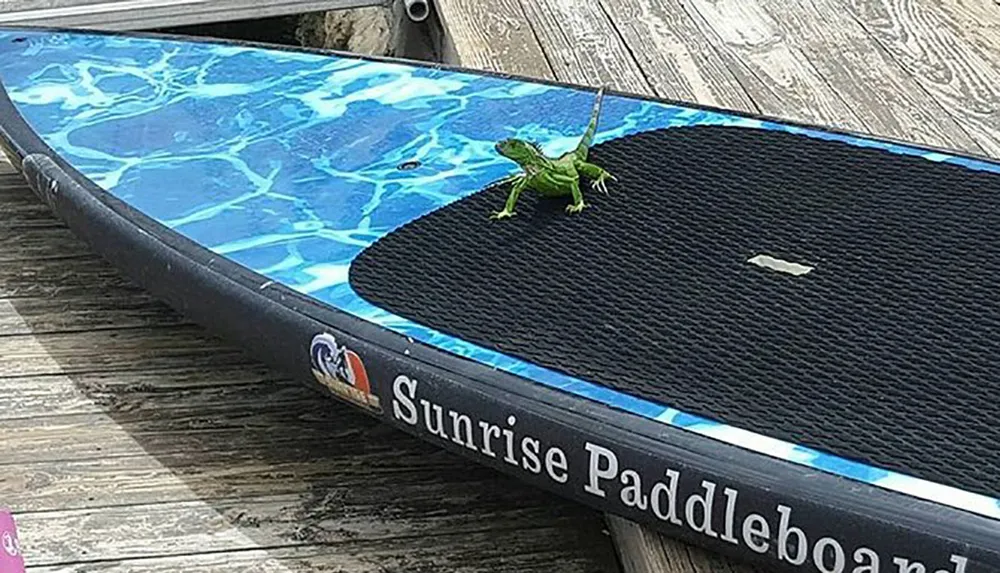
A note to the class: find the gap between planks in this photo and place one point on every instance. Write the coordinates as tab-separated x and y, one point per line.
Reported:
924	71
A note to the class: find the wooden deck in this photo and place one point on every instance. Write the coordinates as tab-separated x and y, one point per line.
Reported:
132	441
149	14
926	71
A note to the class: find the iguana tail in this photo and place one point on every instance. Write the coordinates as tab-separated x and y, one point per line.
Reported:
588	136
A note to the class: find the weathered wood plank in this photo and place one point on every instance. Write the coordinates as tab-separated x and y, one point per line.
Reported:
36	268
641	549
495	36
976	22
963	75
141	400
544	549
21	211
49	315
268	449
17	218
777	75
886	98
249	470
112	350
48	277
91	437
678	61
582	46
43	243
100	392
325	515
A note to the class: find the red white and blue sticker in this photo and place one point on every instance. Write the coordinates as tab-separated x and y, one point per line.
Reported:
341	370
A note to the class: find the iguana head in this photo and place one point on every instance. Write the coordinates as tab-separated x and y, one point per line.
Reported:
518	150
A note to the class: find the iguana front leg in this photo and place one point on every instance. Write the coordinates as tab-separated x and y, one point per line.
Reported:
520	182
577	205
596	174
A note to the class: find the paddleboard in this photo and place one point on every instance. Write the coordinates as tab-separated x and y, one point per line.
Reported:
771	339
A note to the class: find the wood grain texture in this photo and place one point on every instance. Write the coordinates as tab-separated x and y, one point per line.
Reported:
37	315
326	514
245	470
134	441
112	350
773	70
882	94
582	46
101	392
469	552
976	22
495	36
644	550
48	277
961	70
678	61
16	246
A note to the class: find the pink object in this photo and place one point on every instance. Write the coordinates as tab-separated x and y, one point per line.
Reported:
11	560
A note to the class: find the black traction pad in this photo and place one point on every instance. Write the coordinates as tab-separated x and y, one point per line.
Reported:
887	351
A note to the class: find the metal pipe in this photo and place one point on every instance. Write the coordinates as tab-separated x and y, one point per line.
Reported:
417	10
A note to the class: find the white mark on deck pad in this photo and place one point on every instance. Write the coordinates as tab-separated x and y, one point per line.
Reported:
779	265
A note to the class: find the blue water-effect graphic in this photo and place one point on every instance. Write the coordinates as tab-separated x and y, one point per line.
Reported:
288	163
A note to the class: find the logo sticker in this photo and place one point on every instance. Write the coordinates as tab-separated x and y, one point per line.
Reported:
341	370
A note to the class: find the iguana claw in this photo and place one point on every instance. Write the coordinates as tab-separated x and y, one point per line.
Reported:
497	215
575	207
599	182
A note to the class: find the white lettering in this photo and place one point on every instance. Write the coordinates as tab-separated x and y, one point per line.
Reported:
490	431
460	422
730	521
706	510
529	447
437	428
784	531
605	468
873	565
959	562
819	555
671	492
905	566
594	471
756	532
552	464
509	441
631	494
404	400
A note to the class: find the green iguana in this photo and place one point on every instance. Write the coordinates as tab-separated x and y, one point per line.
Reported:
553	177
